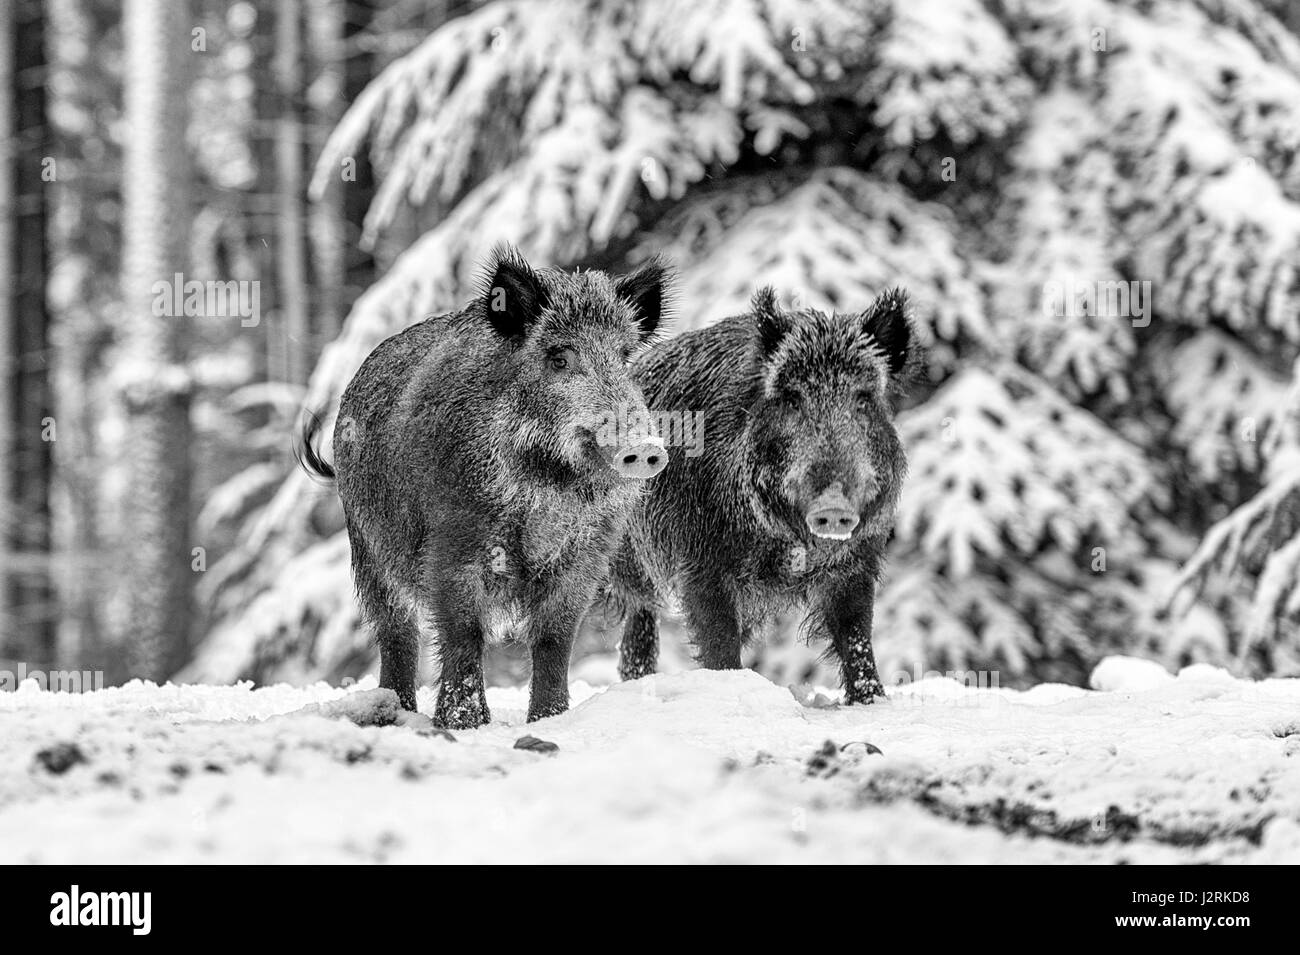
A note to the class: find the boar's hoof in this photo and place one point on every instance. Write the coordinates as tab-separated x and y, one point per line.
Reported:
634	668
863	695
464	714
640	461
548	708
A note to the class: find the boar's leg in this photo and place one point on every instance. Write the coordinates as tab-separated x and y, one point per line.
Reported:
847	613
462	697
634	594
638	652
399	656
553	629
714	623
394	622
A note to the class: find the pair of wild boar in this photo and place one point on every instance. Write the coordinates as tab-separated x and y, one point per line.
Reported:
483	487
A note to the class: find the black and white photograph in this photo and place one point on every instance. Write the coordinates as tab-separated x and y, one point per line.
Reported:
651	432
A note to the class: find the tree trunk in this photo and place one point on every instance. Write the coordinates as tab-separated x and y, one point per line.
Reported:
325	25
8	509
291	258
156	558
32	609
83	247
359	191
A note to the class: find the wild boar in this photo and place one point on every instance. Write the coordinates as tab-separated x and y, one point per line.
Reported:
792	500
482	486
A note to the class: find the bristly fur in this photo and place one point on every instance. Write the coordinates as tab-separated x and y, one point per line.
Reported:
650	291
798	410
472	484
513	295
889	322
768	318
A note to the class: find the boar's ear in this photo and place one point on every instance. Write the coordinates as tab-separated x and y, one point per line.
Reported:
513	295
887	323
647	290
771	320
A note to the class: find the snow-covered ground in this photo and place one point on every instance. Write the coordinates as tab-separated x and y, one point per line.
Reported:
692	767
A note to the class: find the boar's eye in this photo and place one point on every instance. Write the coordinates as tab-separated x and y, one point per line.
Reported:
862	401
561	359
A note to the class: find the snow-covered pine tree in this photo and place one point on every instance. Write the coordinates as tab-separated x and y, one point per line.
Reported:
1014	163
1255	428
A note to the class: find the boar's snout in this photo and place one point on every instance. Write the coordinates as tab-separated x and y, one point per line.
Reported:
639	460
832	516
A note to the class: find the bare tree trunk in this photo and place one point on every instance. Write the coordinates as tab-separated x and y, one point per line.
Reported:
33	606
263	208
7	330
157	557
360	67
291	258
325	25
76	88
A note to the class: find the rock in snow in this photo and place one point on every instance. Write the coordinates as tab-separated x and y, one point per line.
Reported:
697	766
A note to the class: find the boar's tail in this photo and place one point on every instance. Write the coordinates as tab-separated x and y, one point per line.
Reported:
309	458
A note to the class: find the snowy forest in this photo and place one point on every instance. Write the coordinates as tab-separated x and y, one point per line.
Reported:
211	211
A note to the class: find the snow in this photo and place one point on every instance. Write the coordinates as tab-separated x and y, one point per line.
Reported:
1093	142
697	766
1125	674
